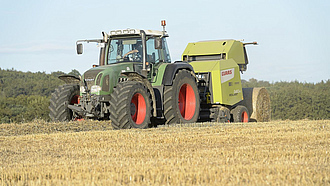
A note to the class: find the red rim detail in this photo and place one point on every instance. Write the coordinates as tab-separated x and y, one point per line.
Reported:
140	110
245	117
187	101
79	119
75	100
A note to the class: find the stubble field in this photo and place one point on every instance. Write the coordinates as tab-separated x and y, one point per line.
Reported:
91	153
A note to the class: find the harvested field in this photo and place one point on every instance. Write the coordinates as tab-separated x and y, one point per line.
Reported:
279	153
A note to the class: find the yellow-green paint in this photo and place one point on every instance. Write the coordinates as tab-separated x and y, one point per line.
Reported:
222	93
225	72
232	48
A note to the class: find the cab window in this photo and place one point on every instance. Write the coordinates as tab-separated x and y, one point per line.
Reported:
153	55
125	50
157	55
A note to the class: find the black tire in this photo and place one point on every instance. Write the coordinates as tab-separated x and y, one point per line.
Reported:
62	97
240	114
130	106
188	111
221	114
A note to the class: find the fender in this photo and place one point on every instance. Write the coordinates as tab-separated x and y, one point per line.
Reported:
69	79
172	69
134	76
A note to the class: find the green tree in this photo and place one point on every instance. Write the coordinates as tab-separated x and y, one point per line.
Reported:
75	73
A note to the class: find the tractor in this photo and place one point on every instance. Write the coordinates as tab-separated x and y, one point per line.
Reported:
136	85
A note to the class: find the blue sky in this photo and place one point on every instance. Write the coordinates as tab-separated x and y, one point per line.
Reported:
293	36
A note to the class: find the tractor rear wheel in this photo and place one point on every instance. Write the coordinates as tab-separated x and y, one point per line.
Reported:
62	97
130	106
181	99
240	114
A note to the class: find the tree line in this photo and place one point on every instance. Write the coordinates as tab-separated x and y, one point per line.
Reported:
24	96
295	100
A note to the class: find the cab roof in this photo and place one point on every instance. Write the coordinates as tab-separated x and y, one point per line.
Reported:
137	32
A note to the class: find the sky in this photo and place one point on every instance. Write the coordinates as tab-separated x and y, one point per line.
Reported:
293	36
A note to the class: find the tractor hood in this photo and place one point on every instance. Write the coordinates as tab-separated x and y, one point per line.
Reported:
107	76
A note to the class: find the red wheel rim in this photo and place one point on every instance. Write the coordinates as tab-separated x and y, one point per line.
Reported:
140	109
245	117
75	100
187	101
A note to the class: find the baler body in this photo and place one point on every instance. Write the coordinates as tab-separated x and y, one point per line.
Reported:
217	64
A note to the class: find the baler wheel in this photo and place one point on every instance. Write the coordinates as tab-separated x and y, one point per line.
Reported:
130	106
63	96
240	114
181	99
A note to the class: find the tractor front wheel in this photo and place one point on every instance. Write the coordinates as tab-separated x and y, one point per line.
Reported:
181	99
130	106
63	96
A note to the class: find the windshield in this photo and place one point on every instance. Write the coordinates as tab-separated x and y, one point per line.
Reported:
130	49
123	50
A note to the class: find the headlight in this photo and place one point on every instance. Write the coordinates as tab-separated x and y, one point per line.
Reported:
95	89
82	89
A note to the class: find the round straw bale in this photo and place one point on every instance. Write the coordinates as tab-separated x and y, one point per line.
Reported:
257	101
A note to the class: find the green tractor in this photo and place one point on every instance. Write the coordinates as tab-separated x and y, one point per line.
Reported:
135	84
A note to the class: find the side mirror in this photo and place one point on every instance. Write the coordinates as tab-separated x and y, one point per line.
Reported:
158	43
80	48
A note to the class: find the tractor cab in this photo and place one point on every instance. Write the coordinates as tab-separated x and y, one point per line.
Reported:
146	48
131	47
